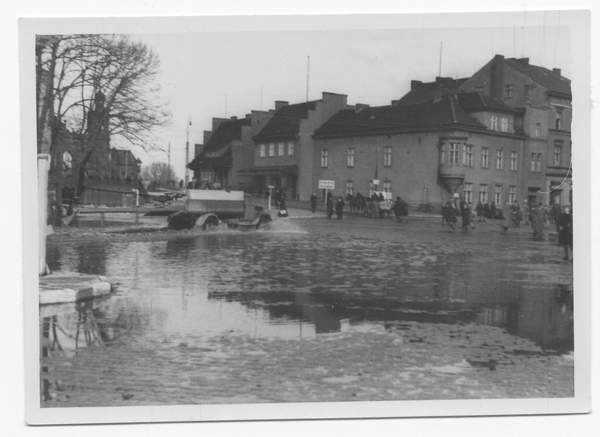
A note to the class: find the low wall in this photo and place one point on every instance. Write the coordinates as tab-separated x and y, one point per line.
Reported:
108	197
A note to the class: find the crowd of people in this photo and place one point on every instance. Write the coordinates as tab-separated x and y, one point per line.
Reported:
510	215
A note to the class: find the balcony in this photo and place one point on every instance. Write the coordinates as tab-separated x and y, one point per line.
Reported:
452	176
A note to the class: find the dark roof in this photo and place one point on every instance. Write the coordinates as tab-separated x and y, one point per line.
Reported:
443	113
222	161
226	132
425	92
553	81
285	123
476	101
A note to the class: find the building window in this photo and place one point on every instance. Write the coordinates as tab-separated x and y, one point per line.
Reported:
281	149
499	159
508	91
485	161
536	162
513	161
498	194
468	156
68	160
271	149
262	150
443	154
483	193
324	158
453	156
493	122
525	90
350	188
479	89
387	156
538	130
557	154
504	124
559	121
291	148
387	186
512	194
468	192
350	158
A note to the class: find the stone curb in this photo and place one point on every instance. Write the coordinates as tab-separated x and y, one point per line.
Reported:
72	287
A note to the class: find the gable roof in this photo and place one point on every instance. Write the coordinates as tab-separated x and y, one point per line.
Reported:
439	114
476	101
549	79
285	123
425	92
226	132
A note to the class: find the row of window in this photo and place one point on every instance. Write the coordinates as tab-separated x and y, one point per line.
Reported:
505	124
484	190
467	156
280	149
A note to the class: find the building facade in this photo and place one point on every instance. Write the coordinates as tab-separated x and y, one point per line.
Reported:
543	97
285	154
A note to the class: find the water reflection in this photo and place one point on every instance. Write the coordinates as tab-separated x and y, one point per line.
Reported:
299	285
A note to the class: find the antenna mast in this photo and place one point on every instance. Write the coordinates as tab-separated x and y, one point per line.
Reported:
441	48
307	76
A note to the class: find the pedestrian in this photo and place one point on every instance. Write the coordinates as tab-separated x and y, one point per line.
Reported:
537	221
479	211
329	205
493	211
339	208
505	219
465	214
313	202
282	208
565	231
450	215
181	184
400	209
486	211
470	208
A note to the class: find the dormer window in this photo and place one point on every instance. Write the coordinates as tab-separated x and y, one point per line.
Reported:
503	124
508	91
493	122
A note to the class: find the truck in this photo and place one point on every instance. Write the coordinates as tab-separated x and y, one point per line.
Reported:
206	208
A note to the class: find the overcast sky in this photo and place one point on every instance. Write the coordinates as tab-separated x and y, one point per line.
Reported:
224	74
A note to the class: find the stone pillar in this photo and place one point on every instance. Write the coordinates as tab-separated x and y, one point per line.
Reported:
43	167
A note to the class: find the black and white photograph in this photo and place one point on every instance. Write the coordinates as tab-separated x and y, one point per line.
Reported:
306	217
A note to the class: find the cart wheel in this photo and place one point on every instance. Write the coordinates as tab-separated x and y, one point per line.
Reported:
210	223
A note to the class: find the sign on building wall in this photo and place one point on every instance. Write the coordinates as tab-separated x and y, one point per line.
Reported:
327	185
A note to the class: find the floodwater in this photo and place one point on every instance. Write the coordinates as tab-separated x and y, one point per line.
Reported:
305	279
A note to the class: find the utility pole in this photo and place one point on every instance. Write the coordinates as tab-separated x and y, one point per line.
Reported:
187	150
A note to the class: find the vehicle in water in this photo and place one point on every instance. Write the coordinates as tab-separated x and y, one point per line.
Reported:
208	208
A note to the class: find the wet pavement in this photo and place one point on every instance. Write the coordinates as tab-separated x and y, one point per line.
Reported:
310	310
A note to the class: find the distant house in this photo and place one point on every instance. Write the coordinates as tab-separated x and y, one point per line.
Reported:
543	97
285	155
227	153
123	165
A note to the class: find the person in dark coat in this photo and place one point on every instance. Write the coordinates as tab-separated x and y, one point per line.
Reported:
537	221
282	208
565	231
339	208
465	213
479	211
329	205
400	209
486	211
313	202
493	211
505	219
450	215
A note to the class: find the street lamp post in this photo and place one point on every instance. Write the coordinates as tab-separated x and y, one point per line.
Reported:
187	150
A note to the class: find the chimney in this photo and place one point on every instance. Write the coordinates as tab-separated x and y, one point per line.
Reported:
556	70
524	61
359	107
497	78
414	84
280	104
395	102
234	118
217	121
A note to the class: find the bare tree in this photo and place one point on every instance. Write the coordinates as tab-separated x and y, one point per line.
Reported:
103	87
159	173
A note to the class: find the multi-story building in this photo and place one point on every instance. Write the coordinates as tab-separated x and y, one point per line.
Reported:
426	147
227	154
285	154
543	97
